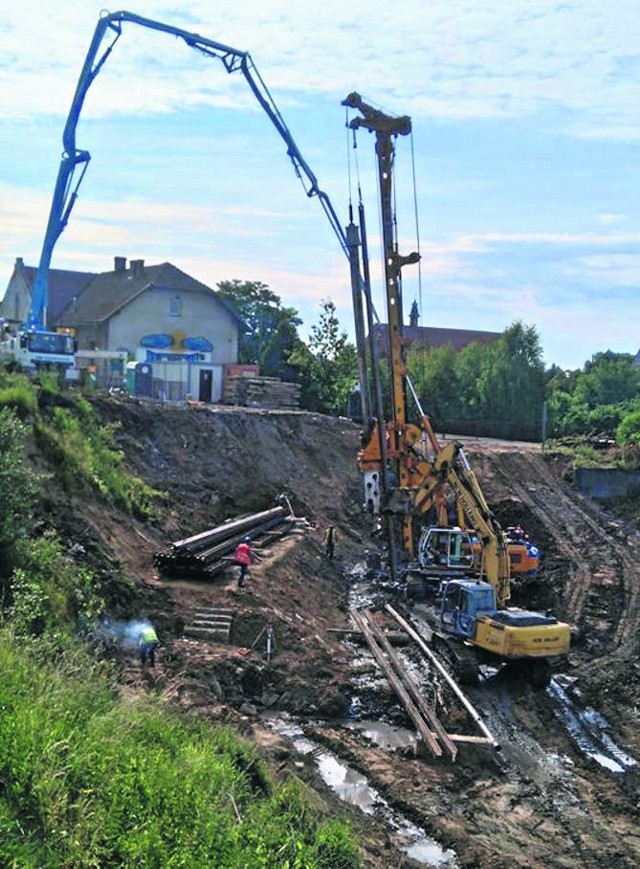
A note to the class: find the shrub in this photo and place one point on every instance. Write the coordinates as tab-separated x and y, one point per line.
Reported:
84	453
50	594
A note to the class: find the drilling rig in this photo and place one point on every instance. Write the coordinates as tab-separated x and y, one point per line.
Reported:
406	471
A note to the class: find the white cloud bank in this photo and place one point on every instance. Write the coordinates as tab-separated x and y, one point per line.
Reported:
574	64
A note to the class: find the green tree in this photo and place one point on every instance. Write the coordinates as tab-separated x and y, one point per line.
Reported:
435	379
594	400
469	363
279	345
327	366
518	376
271	333
608	378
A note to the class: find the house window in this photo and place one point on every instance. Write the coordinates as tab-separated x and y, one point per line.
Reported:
175	306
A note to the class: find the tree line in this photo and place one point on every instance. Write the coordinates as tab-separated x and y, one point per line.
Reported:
499	388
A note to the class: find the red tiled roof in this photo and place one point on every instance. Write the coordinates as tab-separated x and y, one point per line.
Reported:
432	336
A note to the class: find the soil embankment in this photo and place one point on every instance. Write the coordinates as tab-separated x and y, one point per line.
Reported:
544	802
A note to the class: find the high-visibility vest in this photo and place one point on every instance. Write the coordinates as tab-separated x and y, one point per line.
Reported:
148	635
243	553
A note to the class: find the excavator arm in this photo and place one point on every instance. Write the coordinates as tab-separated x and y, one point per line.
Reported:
75	160
450	466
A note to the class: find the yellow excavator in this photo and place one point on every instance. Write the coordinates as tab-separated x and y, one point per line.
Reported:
406	472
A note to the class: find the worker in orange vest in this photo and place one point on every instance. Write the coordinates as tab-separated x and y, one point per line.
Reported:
243	558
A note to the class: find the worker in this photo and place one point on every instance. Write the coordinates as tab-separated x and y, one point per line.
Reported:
330	542
147	645
243	558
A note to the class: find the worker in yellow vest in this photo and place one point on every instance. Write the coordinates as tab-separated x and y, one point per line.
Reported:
330	538
147	644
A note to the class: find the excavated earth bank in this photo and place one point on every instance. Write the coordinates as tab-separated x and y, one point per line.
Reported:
543	801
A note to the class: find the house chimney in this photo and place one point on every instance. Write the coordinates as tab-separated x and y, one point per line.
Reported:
137	267
19	262
119	263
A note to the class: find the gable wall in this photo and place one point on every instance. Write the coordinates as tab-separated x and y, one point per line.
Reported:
17	298
200	315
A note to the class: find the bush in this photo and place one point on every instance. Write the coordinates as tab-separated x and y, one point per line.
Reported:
18	488
49	593
84	452
628	432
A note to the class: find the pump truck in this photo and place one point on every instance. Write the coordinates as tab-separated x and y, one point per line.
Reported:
406	471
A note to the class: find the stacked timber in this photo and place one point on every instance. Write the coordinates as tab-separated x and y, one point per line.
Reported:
261	392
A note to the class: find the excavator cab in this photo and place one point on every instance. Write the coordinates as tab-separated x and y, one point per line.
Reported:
461	602
446	548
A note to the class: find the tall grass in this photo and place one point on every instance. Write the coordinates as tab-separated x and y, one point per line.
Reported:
84	452
90	780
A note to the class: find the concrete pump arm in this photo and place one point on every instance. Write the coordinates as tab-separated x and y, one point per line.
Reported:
73	158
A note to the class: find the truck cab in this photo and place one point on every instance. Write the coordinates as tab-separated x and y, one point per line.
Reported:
37	348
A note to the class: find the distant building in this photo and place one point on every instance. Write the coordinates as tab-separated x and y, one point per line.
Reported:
429	337
63	286
155	314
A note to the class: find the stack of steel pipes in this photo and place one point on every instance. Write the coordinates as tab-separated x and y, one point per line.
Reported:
207	553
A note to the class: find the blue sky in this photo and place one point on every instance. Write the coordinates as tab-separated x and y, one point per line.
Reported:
526	141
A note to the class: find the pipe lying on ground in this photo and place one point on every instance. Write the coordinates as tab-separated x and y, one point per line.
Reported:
207	553
488	736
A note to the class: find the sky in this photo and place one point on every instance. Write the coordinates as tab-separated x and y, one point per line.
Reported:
519	185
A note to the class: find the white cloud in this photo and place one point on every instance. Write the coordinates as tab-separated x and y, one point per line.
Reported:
609	219
473	58
615	270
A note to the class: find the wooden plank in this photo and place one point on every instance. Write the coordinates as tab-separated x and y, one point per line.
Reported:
428	712
421	726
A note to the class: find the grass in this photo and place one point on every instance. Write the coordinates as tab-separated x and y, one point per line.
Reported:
83	451
89	780
584	455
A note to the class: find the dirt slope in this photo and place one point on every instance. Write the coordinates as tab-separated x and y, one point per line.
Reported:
544	803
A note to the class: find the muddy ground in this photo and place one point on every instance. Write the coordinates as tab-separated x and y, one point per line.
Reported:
542	800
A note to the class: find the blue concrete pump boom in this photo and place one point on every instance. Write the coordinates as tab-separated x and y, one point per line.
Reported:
73	158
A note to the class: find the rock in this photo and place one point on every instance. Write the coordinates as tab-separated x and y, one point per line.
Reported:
248	709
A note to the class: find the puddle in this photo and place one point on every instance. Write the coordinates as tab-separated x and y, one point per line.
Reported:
352	787
589	731
385	735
